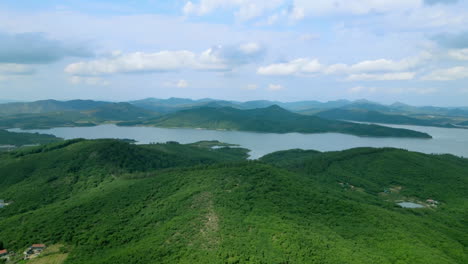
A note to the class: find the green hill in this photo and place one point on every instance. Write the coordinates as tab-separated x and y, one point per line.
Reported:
272	119
378	117
20	139
108	201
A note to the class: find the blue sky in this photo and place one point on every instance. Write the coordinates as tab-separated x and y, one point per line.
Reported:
412	51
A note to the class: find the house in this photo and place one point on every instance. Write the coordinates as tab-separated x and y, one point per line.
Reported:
4	254
432	202
38	247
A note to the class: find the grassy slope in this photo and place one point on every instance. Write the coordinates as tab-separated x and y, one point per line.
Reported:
271	119
170	203
19	139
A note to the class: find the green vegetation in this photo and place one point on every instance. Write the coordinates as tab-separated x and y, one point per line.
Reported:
108	201
20	139
378	117
272	119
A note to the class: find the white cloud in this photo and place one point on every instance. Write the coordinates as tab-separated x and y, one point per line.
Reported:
459	54
245	9
398	76
454	73
94	81
218	58
182	84
379	65
360	89
178	84
355	7
250	48
297	66
275	87
251	87
400	90
379	70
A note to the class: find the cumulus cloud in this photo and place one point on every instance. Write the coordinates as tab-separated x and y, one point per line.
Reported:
182	84
461	54
361	89
445	2
93	81
275	87
36	48
178	84
398	76
297	66
452	41
454	73
218	58
245	9
391	90
380	69
359	7
251	87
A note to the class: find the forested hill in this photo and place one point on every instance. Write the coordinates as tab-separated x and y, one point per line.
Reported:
272	119
20	139
109	202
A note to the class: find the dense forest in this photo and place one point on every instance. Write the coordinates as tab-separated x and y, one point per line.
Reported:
273	119
20	139
108	201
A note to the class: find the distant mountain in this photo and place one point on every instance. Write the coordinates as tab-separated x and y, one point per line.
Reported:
46	106
272	119
119	112
108	112
4	101
177	104
378	117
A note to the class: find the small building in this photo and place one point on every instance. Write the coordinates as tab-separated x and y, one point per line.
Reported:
4	254
432	202
38	247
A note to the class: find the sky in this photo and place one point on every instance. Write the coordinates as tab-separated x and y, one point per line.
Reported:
410	51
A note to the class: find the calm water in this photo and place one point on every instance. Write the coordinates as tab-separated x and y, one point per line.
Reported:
445	140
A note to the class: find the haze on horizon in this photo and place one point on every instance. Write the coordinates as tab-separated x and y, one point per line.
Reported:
412	51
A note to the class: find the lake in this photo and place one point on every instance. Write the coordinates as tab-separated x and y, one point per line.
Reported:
445	140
